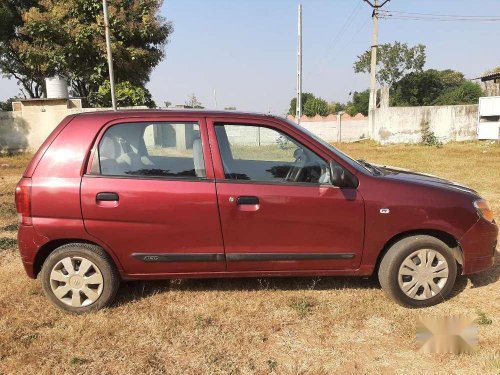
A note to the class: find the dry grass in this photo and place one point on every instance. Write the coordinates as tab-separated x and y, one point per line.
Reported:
285	326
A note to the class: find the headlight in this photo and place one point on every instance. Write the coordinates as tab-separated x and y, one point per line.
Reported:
484	210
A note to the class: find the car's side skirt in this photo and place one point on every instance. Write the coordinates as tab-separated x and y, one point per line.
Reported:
234	257
286	256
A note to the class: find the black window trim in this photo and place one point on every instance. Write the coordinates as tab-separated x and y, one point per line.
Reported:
153	178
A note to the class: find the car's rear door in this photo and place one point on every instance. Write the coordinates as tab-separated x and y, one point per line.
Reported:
149	194
278	208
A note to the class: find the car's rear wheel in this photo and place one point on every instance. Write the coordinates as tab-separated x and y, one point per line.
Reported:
418	271
80	277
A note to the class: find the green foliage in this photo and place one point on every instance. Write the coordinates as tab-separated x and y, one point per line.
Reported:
316	106
7	243
303	306
202	322
335	107
272	364
47	37
393	61
434	87
230	108
10	227
311	106
127	95
428	136
483	320
467	93
12	62
193	102
359	103
77	361
293	103
7	105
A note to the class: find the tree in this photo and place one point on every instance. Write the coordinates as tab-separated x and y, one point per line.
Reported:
47	37
467	93
393	61
316	106
193	102
335	107
167	104
127	95
434	87
293	103
7	105
359	103
230	108
12	64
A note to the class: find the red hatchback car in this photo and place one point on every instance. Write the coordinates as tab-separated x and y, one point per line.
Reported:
126	195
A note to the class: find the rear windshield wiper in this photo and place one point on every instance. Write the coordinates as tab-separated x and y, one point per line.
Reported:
370	167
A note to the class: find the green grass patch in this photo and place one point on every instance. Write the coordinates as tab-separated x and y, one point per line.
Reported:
10	227
303	306
7	243
483	320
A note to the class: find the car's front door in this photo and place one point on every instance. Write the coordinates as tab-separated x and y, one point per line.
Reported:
150	196
278	208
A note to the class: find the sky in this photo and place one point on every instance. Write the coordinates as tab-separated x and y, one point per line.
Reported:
246	50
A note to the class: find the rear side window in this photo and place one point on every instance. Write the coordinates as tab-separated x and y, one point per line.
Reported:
160	149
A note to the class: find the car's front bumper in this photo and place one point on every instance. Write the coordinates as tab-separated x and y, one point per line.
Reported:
479	246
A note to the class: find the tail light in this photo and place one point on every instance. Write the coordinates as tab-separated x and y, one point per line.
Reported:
23	201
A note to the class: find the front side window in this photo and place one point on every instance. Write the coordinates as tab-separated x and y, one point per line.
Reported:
161	149
258	153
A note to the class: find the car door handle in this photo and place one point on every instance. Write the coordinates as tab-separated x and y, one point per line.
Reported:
249	200
107	197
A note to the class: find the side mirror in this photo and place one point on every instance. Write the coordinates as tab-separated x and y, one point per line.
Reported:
340	177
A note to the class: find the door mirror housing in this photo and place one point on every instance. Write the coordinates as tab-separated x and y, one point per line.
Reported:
341	177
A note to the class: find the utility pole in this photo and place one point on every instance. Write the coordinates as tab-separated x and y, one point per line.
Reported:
215	98
298	112
110	55
373	65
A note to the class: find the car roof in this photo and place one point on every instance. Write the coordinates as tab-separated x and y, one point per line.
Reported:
121	113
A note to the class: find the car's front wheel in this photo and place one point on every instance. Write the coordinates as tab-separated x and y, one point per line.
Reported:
418	271
80	277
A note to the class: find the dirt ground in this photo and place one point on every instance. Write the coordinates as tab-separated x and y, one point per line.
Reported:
251	326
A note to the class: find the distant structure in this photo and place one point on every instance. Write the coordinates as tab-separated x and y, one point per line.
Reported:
490	83
56	87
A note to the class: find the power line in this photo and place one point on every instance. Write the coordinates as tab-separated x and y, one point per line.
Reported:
400	15
435	15
390	17
361	27
333	43
347	24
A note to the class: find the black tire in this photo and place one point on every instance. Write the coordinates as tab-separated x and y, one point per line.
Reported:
96	255
388	273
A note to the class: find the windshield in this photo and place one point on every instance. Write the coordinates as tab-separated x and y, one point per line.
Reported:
353	163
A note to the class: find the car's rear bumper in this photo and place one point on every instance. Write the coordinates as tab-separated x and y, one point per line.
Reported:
479	246
29	242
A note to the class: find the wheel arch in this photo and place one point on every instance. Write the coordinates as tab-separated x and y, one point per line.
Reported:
443	236
46	249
